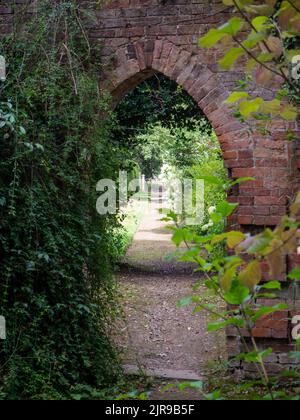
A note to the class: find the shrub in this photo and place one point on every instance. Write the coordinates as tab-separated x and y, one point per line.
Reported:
56	288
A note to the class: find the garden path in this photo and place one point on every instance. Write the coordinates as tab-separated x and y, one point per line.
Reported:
157	338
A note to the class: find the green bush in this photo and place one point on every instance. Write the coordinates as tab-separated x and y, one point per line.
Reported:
56	288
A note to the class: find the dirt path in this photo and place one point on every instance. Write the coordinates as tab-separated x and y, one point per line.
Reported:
158	338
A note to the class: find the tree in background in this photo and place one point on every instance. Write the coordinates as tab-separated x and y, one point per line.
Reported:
161	127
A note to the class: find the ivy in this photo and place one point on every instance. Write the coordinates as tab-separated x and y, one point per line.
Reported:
56	288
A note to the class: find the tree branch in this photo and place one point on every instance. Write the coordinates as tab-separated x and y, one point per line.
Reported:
257	60
294	6
281	72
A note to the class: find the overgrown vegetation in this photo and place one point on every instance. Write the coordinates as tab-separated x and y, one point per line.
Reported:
56	289
165	133
156	124
131	217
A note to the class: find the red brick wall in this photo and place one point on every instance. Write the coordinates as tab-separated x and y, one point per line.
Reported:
141	37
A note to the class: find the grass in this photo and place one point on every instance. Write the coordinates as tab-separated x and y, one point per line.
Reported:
133	215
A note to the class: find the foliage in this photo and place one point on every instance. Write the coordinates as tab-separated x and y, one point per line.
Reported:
198	157
158	100
131	218
180	148
154	115
168	136
210	164
56	290
237	281
266	35
180	154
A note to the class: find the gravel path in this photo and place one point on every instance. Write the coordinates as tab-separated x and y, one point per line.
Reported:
156	337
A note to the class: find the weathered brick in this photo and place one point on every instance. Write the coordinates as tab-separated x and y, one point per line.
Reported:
245	220
268	200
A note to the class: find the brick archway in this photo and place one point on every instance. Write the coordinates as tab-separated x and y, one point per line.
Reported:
246	154
141	37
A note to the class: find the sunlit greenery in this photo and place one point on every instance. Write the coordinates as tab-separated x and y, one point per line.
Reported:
58	137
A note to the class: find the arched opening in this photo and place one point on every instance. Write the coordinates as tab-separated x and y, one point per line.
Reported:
55	255
266	157
165	135
138	61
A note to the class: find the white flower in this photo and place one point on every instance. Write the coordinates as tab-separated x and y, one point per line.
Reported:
212	209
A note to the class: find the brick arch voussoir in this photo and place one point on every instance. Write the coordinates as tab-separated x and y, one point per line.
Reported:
137	61
206	88
127	72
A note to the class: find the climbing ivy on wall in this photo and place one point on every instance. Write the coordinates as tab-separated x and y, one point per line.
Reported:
56	290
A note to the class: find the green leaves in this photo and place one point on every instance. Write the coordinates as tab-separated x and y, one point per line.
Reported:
267	310
231	28
184	302
198	385
238	295
170	215
182	235
51	238
252	41
289	112
227	279
213	180
249	107
226	209
9	121
289	16
232	322
232	238
211	38
272	285
260	244
295	274
268	55
236	96
231	57
251	276
255	356
220	182
259	23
